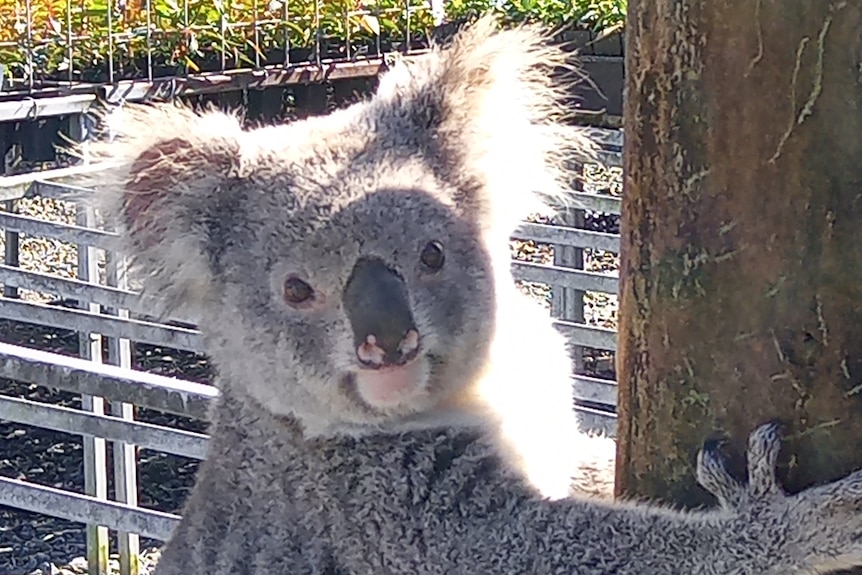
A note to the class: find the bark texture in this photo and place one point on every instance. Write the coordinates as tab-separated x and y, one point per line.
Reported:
741	296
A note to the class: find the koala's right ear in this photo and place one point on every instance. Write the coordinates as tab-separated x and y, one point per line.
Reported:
169	171
487	110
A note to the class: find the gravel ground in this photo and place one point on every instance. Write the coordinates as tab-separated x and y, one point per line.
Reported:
31	543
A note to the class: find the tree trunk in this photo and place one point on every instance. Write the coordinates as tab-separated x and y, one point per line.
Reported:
741	294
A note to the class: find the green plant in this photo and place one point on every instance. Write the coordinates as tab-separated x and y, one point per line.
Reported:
84	39
596	15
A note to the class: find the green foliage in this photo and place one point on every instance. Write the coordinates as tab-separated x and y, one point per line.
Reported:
595	15
83	39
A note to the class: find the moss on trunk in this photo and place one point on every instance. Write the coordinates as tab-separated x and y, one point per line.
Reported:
741	237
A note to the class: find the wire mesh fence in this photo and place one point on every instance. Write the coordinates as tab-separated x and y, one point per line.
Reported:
276	60
130	419
49	43
58	46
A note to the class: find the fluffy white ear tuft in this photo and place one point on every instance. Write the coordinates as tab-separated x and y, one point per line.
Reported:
493	103
170	166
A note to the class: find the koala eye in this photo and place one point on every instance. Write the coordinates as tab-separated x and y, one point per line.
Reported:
297	291
432	256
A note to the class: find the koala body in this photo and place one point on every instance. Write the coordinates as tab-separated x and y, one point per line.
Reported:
378	410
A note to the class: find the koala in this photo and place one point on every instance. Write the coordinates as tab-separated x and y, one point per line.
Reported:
389	402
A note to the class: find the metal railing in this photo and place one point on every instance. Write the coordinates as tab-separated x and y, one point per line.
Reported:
54	46
110	314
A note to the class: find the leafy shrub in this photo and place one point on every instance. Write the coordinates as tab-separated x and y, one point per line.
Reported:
92	40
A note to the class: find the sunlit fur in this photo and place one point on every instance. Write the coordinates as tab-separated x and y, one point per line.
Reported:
470	475
463	147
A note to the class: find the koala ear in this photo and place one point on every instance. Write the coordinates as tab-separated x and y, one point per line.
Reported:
169	176
489	109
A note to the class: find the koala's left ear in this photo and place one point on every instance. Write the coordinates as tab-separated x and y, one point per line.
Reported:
489	108
171	167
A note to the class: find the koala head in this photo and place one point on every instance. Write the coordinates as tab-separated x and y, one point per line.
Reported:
345	268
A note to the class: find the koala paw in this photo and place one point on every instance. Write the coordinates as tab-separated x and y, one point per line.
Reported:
764	445
819	528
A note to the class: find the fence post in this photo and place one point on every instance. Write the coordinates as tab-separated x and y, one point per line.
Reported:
12	247
310	100
125	454
567	303
95	452
12	239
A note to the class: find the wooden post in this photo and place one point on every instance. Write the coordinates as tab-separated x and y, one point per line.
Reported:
741	277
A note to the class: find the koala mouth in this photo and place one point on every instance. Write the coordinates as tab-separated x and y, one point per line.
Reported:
391	386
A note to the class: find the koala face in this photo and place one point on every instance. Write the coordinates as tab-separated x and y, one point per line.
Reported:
345	269
380	309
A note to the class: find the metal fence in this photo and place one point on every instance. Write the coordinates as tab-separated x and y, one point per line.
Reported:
54	44
80	51
110	318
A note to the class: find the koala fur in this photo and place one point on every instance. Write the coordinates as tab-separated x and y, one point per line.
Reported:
389	402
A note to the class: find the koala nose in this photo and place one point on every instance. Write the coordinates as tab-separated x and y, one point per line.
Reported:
378	307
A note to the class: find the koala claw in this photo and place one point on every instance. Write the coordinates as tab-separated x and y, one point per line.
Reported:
713	475
835	508
764	445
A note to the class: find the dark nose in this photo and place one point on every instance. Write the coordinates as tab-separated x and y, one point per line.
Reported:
377	304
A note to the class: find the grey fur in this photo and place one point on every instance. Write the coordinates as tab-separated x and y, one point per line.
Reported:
466	471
